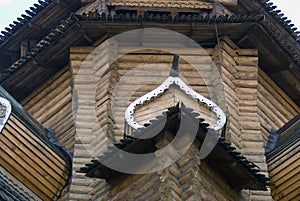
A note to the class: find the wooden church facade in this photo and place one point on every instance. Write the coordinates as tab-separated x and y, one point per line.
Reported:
50	58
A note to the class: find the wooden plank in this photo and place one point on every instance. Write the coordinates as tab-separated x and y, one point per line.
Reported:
52	84
286	191
271	111
288	179
275	90
277	103
66	112
22	168
272	114
281	171
38	150
284	153
26	160
54	109
41	101
50	105
168	50
20	147
11	167
34	139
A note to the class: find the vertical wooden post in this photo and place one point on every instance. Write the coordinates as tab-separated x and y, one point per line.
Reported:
26	46
102	7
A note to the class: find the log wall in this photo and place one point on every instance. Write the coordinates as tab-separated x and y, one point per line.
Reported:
275	107
253	103
51	105
92	79
187	179
285	174
35	164
142	72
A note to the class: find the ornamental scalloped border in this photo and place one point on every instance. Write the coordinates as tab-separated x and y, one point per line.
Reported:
161	89
4	102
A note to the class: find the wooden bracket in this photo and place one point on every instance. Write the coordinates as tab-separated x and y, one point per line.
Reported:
27	45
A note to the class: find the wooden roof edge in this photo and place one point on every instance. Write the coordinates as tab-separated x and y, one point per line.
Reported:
18	185
282	139
289	124
277	15
34	126
36	10
276	25
290	47
9	192
67	24
259	180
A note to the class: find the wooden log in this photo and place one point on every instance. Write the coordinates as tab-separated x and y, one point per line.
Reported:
26	159
165	59
34	139
247	61
37	104
169	50
19	146
23	176
278	94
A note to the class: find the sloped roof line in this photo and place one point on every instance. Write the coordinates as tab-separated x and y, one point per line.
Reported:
24	19
33	125
279	16
285	137
9	192
42	4
67	24
128	143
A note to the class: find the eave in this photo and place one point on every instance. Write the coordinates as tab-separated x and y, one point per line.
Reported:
36	23
9	192
284	162
27	153
288	136
277	58
52	52
229	164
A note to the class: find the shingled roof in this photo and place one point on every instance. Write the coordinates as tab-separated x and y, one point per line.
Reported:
242	175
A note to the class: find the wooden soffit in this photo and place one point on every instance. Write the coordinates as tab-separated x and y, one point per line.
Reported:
162	4
231	165
170	3
27	154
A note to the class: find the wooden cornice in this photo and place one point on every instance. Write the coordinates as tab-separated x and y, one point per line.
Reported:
162	4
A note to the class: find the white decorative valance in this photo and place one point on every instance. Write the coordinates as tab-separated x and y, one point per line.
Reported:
173	79
5	110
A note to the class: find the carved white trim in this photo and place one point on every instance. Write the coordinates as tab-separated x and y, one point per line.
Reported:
5	112
164	86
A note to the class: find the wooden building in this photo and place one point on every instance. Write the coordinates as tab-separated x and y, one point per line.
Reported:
66	86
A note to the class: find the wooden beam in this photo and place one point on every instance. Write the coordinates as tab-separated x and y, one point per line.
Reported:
229	2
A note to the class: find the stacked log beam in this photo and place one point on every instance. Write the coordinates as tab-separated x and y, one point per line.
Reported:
92	78
253	103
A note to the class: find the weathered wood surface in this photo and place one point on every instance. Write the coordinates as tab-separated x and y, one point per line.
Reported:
51	105
251	106
32	161
284	173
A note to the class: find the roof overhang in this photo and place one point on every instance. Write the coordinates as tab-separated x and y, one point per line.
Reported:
52	52
230	165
